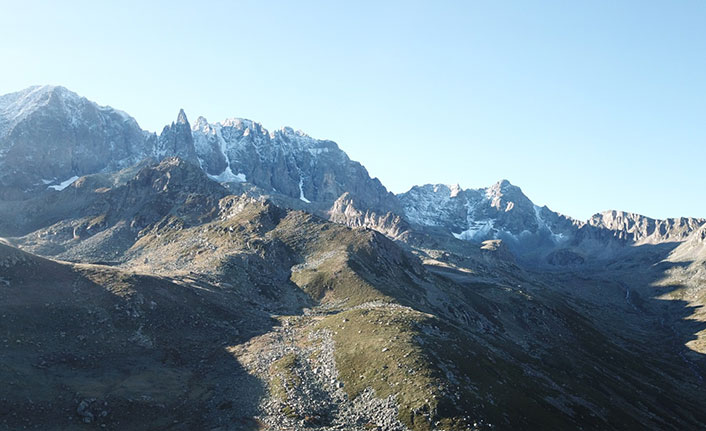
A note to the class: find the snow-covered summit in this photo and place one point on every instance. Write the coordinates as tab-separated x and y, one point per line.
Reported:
498	211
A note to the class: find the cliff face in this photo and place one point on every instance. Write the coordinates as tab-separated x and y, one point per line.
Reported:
49	134
287	162
645	230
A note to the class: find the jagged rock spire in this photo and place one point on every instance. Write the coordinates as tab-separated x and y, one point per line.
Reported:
181	118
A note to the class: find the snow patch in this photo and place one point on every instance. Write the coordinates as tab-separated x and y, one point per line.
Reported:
242	141
556	237
63	185
200	130
301	191
227	176
476	231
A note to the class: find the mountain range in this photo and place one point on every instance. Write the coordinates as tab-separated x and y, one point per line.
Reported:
222	276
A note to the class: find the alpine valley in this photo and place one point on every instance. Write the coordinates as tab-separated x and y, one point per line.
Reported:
220	276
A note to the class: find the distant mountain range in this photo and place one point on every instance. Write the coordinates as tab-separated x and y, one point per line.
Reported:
50	135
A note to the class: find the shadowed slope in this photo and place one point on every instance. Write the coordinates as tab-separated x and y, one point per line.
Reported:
91	344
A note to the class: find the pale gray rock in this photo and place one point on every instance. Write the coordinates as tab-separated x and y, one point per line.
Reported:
641	229
287	162
49	134
500	211
345	211
176	140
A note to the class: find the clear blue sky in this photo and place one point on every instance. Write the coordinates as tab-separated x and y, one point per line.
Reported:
587	105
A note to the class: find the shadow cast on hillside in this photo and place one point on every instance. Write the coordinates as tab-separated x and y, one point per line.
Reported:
651	320
124	351
606	329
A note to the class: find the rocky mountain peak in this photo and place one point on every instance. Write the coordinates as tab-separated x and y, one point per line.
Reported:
17	107
507	197
181	118
501	185
286	162
501	211
58	92
177	140
49	134
346	211
200	123
642	229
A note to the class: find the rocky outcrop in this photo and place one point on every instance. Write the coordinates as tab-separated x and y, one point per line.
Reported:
644	230
91	220
344	211
692	250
